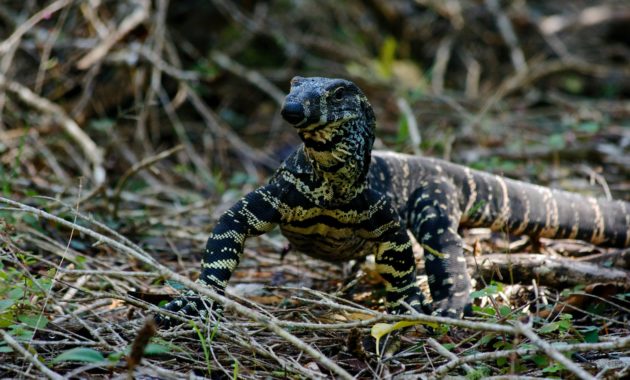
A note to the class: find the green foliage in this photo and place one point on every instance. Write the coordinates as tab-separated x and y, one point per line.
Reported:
496	164
556	141
387	56
205	344
590	334
564	324
79	354
235	371
553	368
480	372
18	314
573	84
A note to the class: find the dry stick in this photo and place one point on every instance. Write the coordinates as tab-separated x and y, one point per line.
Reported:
46	51
588	16
230	336
444	352
90	149
148	161
180	130
546	269
507	32
442	57
137	17
544	69
88	9
240	147
156	74
251	76
269	323
552	352
416	317
41	366
45	13
565	347
412	125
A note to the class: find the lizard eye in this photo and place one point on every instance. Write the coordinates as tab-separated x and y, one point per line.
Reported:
338	94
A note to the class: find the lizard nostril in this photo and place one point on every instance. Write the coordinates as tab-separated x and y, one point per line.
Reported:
293	112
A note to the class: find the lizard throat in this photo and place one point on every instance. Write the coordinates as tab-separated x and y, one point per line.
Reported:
340	156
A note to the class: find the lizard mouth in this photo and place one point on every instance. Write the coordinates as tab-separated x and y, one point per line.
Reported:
302	115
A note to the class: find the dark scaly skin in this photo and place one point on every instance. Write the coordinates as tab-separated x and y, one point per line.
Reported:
336	200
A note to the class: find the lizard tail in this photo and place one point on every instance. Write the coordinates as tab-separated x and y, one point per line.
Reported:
519	208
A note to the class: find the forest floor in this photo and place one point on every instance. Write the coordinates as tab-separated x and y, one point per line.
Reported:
124	135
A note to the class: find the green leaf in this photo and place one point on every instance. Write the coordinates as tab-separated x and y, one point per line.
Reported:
487	291
16	294
550	327
504	310
556	367
114	357
588	127
21	333
540	360
156	349
573	84
235	371
5	304
6	320
387	56
488	311
80	354
34	321
381	329
501	362
487	338
556	141
5	349
591	334
565	325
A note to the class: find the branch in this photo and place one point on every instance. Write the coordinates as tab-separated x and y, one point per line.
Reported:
547	270
18	347
269	323
21	30
552	352
137	17
90	149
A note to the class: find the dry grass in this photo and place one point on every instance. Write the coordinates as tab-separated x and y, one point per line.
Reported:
124	135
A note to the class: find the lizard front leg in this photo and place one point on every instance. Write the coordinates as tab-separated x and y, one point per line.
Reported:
258	212
433	217
396	265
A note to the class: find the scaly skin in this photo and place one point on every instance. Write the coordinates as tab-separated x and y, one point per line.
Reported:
336	200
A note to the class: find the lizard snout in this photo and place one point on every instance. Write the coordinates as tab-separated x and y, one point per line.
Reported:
293	112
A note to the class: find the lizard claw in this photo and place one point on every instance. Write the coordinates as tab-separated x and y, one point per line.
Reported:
452	307
189	305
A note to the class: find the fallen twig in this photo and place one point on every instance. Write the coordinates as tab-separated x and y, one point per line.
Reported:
148	161
137	17
32	359
552	352
203	290
90	149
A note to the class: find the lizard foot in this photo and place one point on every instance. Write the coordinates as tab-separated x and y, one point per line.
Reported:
453	307
189	305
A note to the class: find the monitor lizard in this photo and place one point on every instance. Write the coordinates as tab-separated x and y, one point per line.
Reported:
336	199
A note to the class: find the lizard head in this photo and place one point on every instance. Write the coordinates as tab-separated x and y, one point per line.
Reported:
317	103
336	123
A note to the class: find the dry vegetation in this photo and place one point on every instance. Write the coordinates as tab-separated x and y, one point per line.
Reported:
126	127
